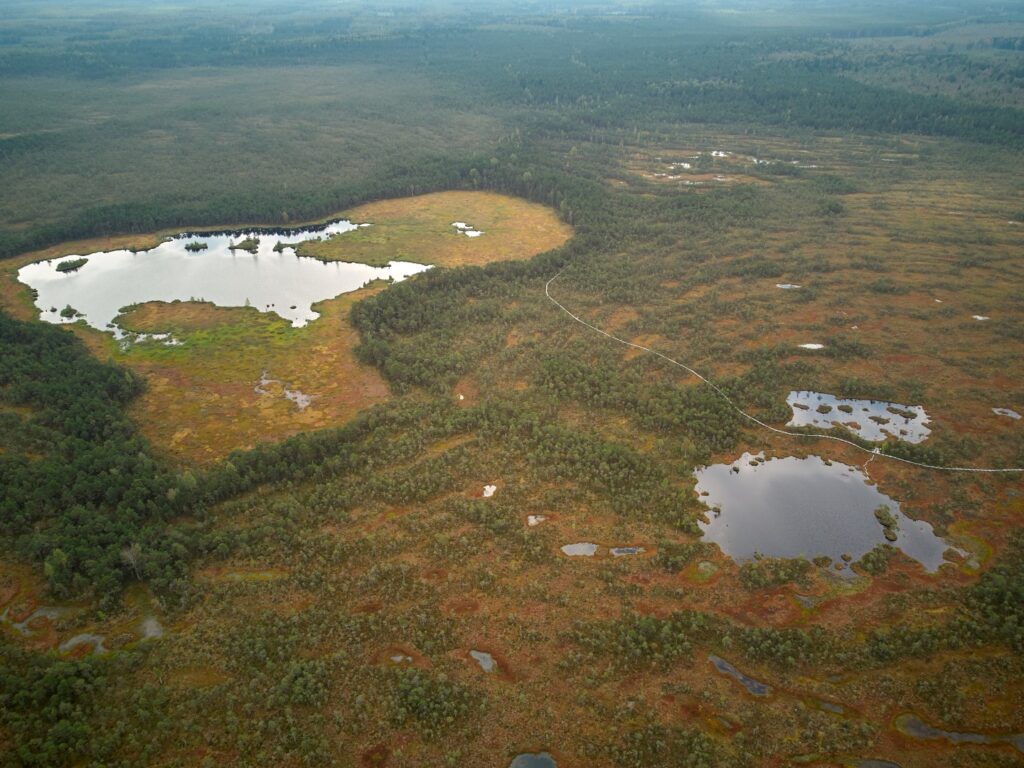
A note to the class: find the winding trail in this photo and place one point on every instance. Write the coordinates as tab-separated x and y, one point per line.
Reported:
875	453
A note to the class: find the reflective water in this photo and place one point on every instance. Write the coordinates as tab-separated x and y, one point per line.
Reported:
622	551
1006	412
792	507
533	760
870	419
581	549
532	520
756	687
485	660
489	491
466	229
301	400
271	279
787	286
918	729
811	346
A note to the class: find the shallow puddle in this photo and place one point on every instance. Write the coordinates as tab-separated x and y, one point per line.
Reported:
623	551
489	491
152	628
24	626
580	549
86	638
534	520
787	286
1009	412
874	420
533	760
271	278
811	346
301	400
755	687
466	229
792	507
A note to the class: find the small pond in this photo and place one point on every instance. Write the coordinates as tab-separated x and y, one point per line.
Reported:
870	419
580	549
268	276
792	507
485	660
466	229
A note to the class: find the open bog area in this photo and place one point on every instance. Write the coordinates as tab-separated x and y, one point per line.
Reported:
503	385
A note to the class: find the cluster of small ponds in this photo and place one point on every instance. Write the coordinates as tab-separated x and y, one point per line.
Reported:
265	273
301	400
907	724
873	420
911	725
147	628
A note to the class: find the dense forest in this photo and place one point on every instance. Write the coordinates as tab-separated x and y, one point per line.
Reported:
319	594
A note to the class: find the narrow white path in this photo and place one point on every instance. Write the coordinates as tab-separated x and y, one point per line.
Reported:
875	452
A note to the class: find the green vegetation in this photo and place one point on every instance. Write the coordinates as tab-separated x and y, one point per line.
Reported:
72	265
432	704
320	592
890	525
96	492
250	244
877	560
763	572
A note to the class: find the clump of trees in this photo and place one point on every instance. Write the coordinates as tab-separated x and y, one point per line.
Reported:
763	572
876	561
72	265
636	641
95	492
431	703
674	557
